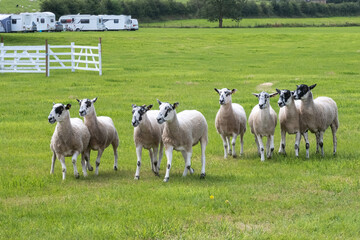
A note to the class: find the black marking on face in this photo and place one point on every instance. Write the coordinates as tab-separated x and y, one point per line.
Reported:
88	103
59	110
168	110
168	166
301	91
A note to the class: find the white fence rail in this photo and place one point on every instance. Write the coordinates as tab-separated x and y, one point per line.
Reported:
42	59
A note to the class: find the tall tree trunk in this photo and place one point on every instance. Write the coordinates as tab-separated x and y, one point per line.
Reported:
220	22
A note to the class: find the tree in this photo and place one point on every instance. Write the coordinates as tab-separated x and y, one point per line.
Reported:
217	10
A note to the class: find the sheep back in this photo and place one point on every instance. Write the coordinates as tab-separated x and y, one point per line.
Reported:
149	133
103	134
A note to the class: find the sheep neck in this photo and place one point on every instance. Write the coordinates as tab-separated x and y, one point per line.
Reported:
308	104
226	109
291	108
145	126
265	113
173	126
65	130
92	123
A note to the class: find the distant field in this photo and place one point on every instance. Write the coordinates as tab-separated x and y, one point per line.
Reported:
242	198
9	6
260	22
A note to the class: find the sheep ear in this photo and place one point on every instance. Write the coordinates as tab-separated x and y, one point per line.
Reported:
278	91
159	101
292	92
54	103
68	106
175	105
94	100
217	90
149	107
312	86
273	94
133	105
233	91
79	101
255	94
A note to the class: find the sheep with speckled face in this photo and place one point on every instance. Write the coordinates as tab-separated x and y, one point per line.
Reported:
290	122
71	138
102	131
230	121
318	114
181	132
262	122
147	134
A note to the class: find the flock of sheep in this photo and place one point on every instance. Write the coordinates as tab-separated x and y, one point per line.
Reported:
154	129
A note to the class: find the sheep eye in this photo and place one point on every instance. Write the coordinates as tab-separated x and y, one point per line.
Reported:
59	110
88	104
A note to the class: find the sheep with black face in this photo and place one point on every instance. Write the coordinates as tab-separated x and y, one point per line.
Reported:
318	114
262	122
102	131
290	122
181	132
147	134
71	138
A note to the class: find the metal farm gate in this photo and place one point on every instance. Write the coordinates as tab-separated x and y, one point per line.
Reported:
42	59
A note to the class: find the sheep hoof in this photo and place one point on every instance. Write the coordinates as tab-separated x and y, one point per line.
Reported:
166	179
77	175
91	169
234	156
157	174
115	168
137	178
202	176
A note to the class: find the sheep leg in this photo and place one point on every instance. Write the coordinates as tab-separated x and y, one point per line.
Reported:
305	134
261	146
115	145
233	145
203	161
242	144
87	158
333	129
271	139
83	164
187	158
100	152
161	152
53	159
268	147
297	143
257	145
169	155
317	134
151	154
321	143
282	143
228	145
155	161
74	159
225	145
138	164
62	161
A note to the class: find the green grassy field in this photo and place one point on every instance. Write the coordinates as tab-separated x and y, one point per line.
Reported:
258	22
281	198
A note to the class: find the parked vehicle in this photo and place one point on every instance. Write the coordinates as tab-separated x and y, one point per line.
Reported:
5	23
59	27
116	22
134	25
82	23
30	22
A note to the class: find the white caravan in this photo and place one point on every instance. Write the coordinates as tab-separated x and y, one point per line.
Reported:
29	22
116	22
82	23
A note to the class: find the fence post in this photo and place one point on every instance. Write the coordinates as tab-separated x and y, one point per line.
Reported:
100	65
47	70
1	53
72	57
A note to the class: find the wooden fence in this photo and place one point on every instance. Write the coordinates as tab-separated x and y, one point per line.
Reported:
42	59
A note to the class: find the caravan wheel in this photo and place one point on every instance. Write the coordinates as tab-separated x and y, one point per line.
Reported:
78	30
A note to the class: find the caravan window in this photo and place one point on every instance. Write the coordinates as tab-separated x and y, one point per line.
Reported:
52	20
85	21
99	20
42	20
13	21
116	20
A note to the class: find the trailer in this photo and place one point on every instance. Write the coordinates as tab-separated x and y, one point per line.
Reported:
5	23
116	22
82	22
134	25
31	22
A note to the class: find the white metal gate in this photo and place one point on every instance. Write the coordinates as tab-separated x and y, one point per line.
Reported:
42	59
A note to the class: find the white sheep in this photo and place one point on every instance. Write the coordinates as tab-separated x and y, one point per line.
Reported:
230	121
71	137
102	131
318	114
181	132
147	134
290	122
262	122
